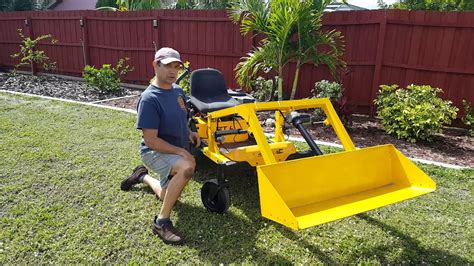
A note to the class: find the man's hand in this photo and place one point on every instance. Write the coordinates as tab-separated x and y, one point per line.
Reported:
185	154
194	139
155	143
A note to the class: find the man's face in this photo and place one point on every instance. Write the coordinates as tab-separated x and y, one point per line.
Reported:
167	74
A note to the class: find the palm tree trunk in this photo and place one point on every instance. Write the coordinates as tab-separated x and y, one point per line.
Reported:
280	83
295	80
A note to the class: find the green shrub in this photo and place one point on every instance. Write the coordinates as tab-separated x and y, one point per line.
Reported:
414	113
334	91
328	89
107	78
468	118
262	89
30	55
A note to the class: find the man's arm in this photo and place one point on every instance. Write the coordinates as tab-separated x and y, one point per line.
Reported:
152	141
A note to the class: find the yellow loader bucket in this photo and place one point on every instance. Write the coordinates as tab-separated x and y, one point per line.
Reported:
315	190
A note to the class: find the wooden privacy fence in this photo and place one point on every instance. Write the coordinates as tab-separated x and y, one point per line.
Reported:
382	47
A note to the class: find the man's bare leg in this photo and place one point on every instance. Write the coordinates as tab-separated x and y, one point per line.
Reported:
155	186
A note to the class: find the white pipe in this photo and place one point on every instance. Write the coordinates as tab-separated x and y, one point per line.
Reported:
126	85
72	101
116	98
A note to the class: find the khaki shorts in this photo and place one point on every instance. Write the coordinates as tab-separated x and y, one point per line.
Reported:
160	163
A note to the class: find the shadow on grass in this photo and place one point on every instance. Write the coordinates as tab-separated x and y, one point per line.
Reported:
243	186
413	251
322	256
233	236
224	238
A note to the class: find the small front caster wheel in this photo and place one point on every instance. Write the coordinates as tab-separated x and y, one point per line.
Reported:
215	197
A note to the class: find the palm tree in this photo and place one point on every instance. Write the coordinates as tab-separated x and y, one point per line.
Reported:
311	40
275	19
291	30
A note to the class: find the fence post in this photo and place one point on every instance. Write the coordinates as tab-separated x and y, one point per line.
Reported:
85	40
157	32
378	62
29	24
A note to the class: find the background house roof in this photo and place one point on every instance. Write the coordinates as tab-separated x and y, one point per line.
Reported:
73	5
339	6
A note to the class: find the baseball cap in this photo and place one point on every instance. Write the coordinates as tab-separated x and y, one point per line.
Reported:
167	55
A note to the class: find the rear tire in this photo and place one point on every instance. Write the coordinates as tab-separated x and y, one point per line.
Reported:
215	199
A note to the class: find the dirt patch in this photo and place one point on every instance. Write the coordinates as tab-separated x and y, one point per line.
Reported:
128	103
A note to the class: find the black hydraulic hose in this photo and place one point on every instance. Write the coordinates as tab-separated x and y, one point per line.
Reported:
299	125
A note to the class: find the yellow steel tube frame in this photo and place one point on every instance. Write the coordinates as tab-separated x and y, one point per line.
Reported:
248	113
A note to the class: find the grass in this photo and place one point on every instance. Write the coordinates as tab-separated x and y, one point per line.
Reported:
61	203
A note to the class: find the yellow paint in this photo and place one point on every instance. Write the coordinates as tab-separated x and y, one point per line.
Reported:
253	155
279	122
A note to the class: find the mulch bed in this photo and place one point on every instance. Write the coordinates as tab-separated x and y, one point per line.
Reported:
57	87
452	146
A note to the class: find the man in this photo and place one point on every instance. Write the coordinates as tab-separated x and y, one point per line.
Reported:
162	117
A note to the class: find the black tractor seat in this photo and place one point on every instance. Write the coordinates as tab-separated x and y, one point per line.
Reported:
209	92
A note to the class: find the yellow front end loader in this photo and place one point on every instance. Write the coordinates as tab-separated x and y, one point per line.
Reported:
297	189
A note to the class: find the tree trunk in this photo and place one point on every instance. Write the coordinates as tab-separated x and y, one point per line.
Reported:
295	80
274	89
34	70
280	83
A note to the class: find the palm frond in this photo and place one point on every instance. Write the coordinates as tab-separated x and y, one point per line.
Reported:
250	14
257	59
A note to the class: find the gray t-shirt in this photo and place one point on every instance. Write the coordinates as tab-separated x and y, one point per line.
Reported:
164	110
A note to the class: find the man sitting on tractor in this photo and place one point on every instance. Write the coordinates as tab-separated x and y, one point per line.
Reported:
162	117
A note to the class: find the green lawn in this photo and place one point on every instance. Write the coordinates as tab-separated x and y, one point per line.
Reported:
60	203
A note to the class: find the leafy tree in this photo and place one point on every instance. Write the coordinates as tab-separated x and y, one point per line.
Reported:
201	4
30	55
5	5
213	4
184	4
439	5
106	3
16	5
23	5
382	5
138	4
125	5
